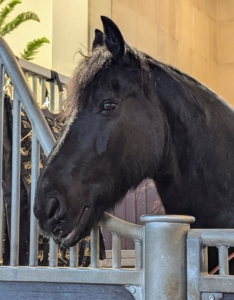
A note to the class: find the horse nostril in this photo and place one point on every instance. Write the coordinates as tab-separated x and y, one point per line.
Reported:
51	207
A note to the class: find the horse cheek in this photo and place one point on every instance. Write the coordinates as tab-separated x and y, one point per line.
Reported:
101	142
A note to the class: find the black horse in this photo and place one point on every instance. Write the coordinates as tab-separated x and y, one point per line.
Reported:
131	117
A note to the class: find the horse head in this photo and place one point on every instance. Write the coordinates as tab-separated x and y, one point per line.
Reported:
108	143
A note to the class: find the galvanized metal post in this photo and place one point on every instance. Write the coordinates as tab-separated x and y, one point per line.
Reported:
2	210
52	97
33	247
95	246
74	256
43	91
53	262
223	260
116	250
2	226
15	198
165	256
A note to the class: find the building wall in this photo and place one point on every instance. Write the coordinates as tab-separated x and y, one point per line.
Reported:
63	22
69	34
97	9
225	49
30	30
194	36
181	33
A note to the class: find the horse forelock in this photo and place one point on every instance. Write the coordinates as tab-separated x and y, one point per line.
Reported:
83	78
91	69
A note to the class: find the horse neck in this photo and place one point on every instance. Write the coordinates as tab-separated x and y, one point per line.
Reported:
184	114
183	111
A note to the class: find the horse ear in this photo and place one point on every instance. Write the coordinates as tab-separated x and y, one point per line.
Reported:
113	38
98	39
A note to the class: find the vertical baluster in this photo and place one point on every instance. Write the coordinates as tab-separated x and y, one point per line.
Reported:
2	226
95	246
53	254
2	217
223	260
34	87
33	251
204	259
52	97
138	255
15	200
43	91
74	256
53	247
60	102
56	99
116	250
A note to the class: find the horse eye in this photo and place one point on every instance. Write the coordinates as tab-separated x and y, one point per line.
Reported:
108	106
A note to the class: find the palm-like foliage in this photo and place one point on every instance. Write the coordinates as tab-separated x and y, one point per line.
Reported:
10	26
7	9
17	21
7	27
32	48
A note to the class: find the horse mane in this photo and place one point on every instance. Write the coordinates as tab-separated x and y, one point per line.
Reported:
185	78
90	70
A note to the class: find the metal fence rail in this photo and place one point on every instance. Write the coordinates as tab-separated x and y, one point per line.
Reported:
200	283
41	133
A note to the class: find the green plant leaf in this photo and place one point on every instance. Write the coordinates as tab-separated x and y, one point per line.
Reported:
7	9
32	48
17	21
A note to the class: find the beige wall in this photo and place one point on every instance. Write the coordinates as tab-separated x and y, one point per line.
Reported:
97	9
225	49
63	22
195	36
69	24
181	33
30	30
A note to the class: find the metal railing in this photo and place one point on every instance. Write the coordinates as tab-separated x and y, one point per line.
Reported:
202	285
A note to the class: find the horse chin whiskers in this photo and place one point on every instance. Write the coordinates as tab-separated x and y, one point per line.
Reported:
59	235
57	227
61	245
44	233
53	236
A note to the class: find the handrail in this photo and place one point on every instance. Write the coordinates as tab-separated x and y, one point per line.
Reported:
22	88
123	228
38	70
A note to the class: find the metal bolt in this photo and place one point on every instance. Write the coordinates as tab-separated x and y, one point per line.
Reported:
132	290
211	297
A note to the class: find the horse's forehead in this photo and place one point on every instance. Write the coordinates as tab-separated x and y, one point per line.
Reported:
113	86
116	77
